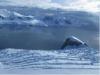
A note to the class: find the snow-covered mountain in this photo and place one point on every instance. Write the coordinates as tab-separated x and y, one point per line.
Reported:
52	18
14	19
48	26
8	15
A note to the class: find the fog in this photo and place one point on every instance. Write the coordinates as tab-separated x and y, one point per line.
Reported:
45	37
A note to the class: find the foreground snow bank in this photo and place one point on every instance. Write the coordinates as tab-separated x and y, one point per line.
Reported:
72	61
73	58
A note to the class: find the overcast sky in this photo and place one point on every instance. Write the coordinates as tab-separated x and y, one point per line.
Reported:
88	5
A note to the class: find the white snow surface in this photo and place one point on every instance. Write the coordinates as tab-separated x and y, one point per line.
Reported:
42	59
23	61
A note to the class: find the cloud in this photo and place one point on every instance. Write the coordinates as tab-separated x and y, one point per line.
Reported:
89	5
31	3
86	5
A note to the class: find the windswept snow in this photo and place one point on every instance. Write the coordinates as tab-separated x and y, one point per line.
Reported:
19	58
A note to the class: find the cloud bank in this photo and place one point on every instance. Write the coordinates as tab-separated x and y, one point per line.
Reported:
86	5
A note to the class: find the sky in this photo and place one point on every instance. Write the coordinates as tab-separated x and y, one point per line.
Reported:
87	5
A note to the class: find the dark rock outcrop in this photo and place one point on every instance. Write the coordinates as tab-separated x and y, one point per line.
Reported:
73	42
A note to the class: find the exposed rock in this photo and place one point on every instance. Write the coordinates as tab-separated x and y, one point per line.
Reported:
73	42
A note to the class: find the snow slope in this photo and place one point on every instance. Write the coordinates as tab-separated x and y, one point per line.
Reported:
69	61
52	59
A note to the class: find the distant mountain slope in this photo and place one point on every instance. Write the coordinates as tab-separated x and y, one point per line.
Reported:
50	17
